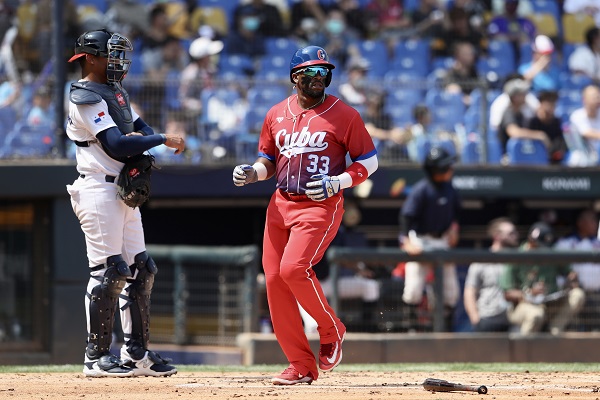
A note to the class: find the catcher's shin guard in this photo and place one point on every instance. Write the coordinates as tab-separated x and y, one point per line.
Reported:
103	301
138	298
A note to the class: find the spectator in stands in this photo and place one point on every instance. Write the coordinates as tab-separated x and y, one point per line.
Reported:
354	15
462	77
483	297
306	18
429	221
336	38
386	19
197	76
510	26
354	90
514	121
355	280
427	19
169	56
584	126
41	114
546	120
541	71
390	140
541	293
260	17
589	7
246	39
585	60
457	29
419	131
502	102
156	35
130	17
585	238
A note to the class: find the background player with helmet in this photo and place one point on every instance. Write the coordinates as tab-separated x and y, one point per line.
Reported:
429	220
303	142
107	132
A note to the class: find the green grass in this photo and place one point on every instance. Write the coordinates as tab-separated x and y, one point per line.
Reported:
425	367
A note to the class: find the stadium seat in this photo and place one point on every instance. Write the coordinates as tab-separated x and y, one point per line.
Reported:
571	81
502	50
28	141
471	153
272	67
575	26
269	95
376	52
526	152
235	66
411	55
227	5
447	109
546	6
100	5
281	46
256	116
487	65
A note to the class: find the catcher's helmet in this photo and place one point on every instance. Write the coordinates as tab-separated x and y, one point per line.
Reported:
106	44
310	55
438	159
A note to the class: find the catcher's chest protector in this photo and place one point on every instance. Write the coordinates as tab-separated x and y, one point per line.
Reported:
115	96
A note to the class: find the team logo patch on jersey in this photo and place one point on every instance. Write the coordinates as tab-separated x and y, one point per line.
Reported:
120	99
279	119
100	117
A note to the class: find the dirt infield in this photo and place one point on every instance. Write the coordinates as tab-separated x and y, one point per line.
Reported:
335	385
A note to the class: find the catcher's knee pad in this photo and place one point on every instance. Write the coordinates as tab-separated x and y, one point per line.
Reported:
138	297
103	304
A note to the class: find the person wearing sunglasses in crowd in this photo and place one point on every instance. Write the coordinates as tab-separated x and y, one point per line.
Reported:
303	143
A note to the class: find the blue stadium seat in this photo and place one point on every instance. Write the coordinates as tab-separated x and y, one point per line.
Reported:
486	65
447	109
471	153
256	116
376	52
100	5
281	46
502	50
227	5
546	6
235	65
28	141
526	152
269	95
441	63
411	55
571	81
494	148
568	101
273	67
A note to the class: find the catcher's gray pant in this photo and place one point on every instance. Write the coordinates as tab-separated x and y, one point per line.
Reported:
416	273
110	228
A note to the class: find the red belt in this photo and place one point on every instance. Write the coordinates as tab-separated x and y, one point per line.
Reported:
293	196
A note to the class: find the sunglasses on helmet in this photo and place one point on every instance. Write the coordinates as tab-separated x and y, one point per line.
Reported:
314	70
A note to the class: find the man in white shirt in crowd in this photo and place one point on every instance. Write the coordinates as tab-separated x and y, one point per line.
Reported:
585	238
585	127
585	60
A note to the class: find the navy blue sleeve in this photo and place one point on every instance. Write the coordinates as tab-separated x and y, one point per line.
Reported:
140	126
126	146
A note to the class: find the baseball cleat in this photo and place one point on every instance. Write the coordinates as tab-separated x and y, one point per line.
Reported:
150	364
291	377
105	366
330	354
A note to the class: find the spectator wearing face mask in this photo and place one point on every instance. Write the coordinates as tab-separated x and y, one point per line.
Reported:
336	37
260	17
246	39
354	90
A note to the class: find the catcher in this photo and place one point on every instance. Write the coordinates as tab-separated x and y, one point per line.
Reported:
113	182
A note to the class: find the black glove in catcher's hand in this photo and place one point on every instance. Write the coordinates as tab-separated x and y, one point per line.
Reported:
134	180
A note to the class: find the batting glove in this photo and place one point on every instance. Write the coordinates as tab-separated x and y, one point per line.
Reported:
244	174
324	187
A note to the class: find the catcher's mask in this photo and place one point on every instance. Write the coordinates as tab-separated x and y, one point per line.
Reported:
311	56
112	46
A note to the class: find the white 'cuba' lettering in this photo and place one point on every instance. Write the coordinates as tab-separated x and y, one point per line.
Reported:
290	144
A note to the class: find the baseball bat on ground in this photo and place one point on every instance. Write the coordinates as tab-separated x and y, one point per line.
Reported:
439	385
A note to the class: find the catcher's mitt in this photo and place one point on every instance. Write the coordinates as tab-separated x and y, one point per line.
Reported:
134	180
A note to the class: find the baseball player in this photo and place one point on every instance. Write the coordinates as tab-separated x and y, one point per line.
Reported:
303	142
428	221
107	131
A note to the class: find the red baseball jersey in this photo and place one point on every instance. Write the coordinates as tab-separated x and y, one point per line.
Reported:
308	142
